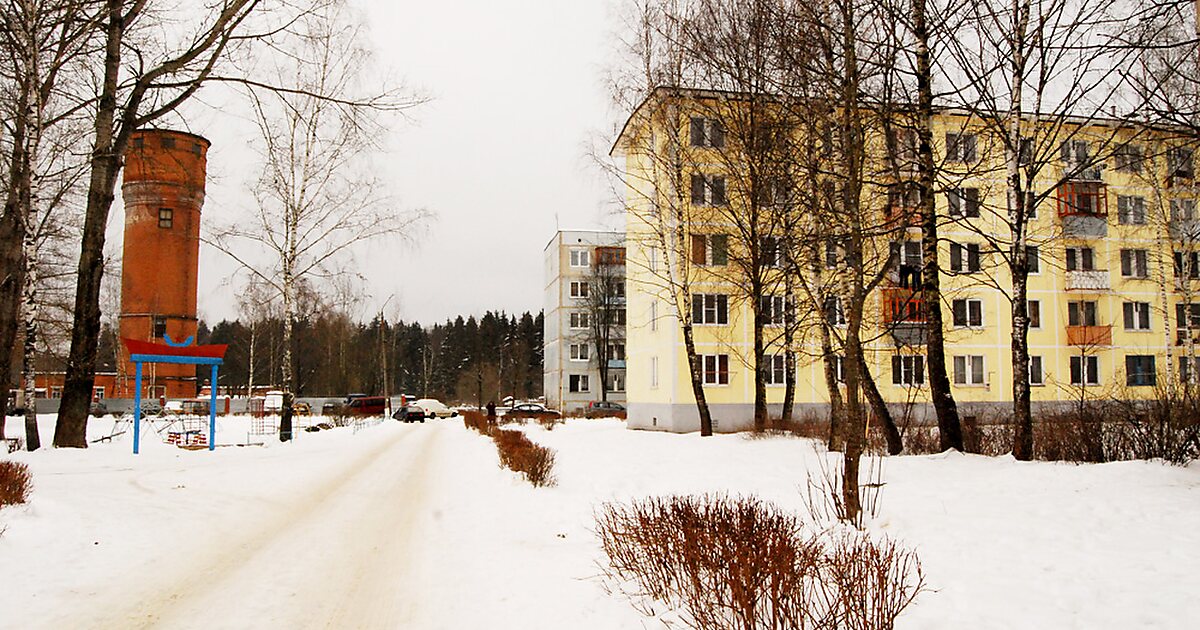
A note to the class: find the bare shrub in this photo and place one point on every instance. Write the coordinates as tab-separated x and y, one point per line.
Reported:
823	496
476	420
15	483
549	422
743	564
519	454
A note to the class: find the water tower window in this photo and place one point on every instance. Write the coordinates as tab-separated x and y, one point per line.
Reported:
160	326
196	148
166	218
139	142
167	142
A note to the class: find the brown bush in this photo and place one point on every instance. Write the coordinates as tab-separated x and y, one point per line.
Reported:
518	453
15	483
476	420
743	564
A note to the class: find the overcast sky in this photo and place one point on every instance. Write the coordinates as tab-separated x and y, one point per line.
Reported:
499	155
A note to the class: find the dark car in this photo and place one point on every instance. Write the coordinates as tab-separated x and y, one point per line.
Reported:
366	406
531	410
409	413
604	409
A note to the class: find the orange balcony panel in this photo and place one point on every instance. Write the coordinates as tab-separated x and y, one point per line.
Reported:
903	305
1089	335
1080	197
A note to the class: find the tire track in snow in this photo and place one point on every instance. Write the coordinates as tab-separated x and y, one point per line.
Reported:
335	557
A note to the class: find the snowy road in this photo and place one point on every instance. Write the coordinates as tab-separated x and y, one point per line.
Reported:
335	558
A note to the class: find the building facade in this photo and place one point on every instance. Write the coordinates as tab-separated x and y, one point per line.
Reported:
1112	252
584	319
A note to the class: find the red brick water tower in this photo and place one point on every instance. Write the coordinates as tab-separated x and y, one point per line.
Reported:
163	189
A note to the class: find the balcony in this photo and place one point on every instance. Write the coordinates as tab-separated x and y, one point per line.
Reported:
1083	208
1088	280
1090	336
1184	229
906	276
616	364
610	255
905	315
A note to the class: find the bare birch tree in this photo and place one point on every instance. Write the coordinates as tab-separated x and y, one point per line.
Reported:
315	196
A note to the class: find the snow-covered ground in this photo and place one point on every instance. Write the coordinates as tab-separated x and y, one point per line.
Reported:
415	526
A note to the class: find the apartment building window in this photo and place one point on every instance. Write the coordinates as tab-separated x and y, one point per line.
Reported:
964	202
835	313
1082	313
1128	158
1137	315
776	365
716	369
770	252
1074	152
578	383
908	369
1131	210
653	372
1033	308
1183	209
580	352
968	370
1025	151
1033	259
166	218
1182	319
579	290
1031	205
774	310
616	381
712	309
839	368
653	260
616	351
964	258
579	320
617	289
1085	370
619	317
1134	263
708	190
968	313
835	254
710	249
1036	376
580	258
1187	265
961	147
1180	163
1081	259
1189	369
1139	370
160	326
707	132
654	315
97	393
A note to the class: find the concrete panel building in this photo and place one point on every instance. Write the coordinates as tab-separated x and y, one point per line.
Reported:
584	319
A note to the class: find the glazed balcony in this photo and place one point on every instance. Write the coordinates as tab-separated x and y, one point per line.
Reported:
1090	336
904	313
1083	208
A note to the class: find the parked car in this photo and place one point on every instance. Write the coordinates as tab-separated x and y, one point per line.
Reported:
301	409
531	410
604	409
366	406
331	408
435	409
409	413
98	408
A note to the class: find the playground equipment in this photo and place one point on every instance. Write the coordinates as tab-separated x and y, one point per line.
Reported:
175	353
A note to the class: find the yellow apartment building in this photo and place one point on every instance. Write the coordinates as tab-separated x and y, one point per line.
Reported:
1114	244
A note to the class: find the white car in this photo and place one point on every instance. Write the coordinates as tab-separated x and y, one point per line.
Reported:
435	409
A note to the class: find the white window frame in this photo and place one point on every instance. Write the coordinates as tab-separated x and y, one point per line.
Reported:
579	289
1029	308
775	308
653	315
719	315
580	258
1041	371
578	320
616	348
1137	314
967	304
970	370
1139	266
710	370
776	369
910	375
618	381
654	372
1089	370
580	352
579	384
